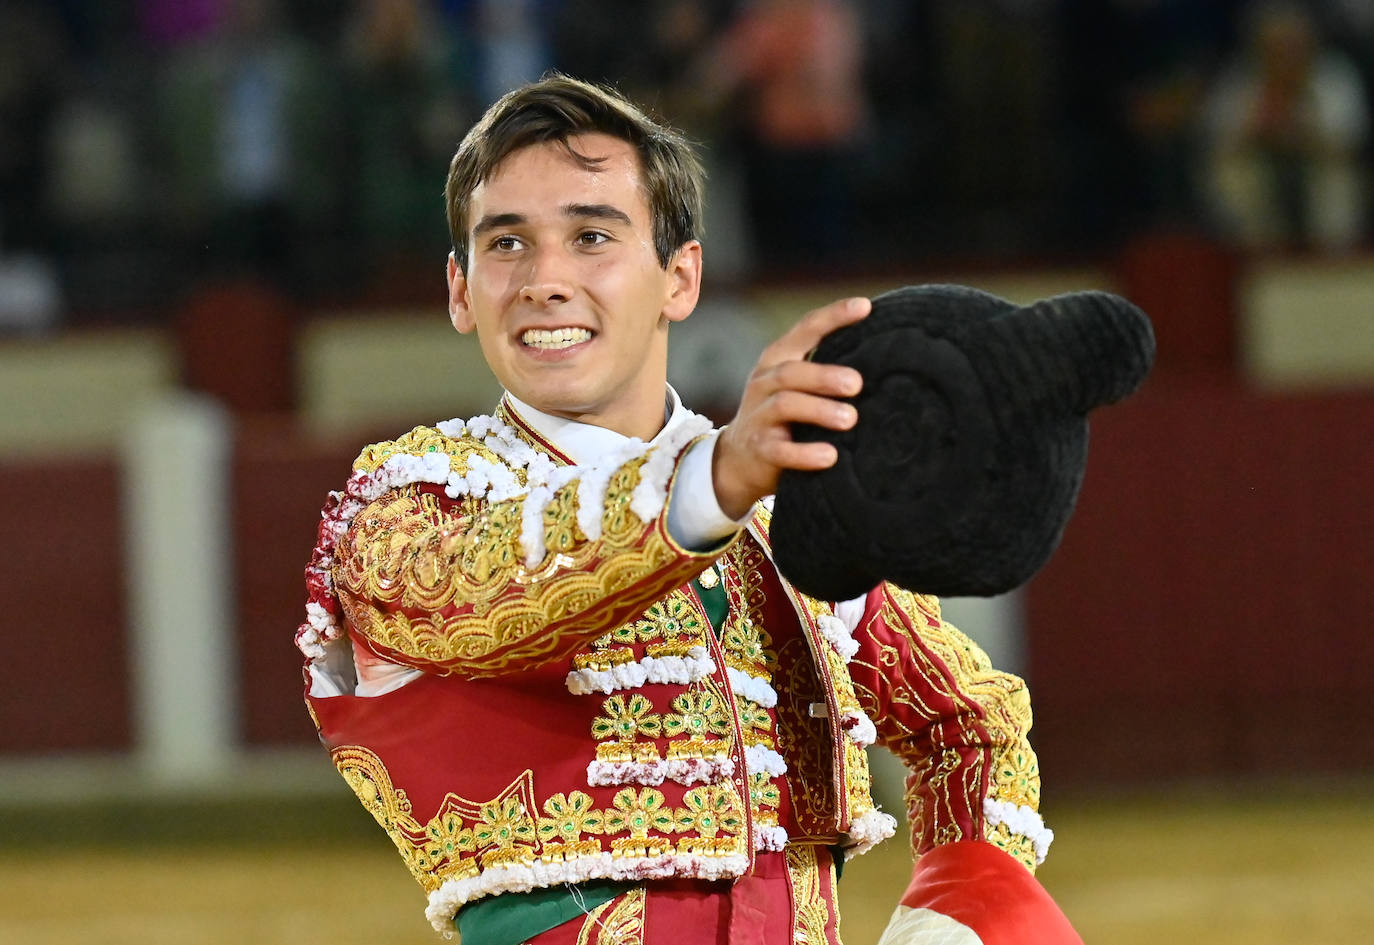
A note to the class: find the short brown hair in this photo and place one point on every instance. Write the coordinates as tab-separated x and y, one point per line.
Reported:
558	107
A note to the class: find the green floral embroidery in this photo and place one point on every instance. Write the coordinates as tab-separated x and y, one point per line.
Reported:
763	792
668	619
698	714
753	716
503	822
448	838
745	640
709	810
639	813
569	817
624	720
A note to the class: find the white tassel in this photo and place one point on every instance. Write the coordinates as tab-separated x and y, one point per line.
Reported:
1020	819
770	839
681	670
761	759
859	728
652	491
868	831
838	635
752	688
679	770
445	901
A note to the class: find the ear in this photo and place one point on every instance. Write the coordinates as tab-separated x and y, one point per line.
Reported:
459	307
684	282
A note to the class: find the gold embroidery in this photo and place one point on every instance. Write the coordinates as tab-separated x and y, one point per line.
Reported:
619	921
668	619
754	721
710	809
711	846
568	817
603	659
465	837
460	835
498	633
803	741
443	584
422	440
618	752
811	911
984	715
698	714
505	828
699	748
858	781
624	720
670	627
748	646
1017	845
763	793
638	813
678	649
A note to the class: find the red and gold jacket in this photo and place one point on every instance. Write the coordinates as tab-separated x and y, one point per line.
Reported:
579	717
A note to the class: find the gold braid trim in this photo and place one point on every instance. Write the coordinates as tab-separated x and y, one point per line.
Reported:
462	836
467	837
421	440
992	713
619	921
810	911
441	584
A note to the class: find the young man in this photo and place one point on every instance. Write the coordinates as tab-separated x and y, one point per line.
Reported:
548	650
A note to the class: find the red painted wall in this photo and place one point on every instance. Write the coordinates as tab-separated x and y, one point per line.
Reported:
65	684
1208	611
280	481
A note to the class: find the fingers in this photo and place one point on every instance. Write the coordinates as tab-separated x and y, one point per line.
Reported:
789	454
802	337
808	377
753	449
794	406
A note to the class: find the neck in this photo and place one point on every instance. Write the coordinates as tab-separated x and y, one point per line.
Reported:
548	424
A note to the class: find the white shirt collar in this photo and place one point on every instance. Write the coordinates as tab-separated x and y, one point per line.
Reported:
584	443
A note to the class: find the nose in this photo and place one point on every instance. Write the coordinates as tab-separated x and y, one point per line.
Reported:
548	279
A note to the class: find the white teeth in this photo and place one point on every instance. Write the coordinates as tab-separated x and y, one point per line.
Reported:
558	338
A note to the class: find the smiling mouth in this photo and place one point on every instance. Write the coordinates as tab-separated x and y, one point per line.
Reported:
555	339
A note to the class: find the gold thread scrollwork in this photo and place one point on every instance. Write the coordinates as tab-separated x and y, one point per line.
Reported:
811	912
617	922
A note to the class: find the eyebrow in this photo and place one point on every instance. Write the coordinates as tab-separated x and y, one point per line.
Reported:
495	221
578	211
596	211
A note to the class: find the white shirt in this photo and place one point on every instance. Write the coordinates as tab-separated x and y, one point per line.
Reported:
695	519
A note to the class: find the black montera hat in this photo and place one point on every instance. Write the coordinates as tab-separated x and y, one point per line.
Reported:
964	466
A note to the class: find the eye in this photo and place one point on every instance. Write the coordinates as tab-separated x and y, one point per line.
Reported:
506	244
592	238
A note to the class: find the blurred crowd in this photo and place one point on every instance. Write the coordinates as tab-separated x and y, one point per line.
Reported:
149	145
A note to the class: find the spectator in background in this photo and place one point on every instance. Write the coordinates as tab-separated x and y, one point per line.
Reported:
513	46
1132	83
602	40
1286	124
792	73
250	137
32	60
993	68
407	103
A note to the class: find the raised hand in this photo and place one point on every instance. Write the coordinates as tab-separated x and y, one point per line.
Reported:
785	388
